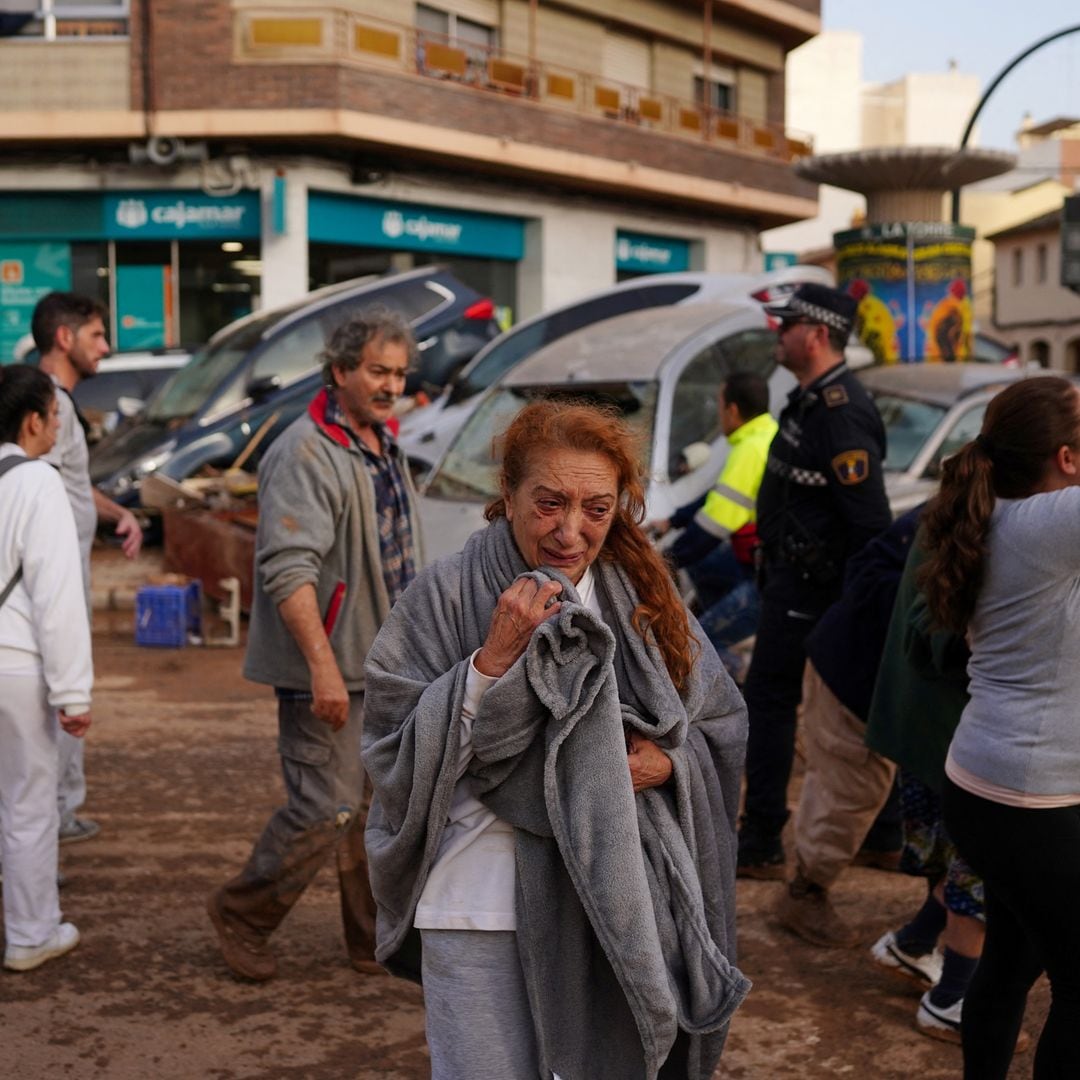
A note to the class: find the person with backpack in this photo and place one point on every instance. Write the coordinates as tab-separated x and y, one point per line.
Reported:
45	665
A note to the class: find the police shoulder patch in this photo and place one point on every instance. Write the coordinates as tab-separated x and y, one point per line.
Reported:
852	466
835	395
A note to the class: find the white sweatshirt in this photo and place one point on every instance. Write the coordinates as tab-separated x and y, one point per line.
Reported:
44	628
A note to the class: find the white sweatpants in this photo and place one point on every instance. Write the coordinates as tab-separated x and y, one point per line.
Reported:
29	819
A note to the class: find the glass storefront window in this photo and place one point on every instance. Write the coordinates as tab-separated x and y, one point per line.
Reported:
219	283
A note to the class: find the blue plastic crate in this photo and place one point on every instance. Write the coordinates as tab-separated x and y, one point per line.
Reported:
166	614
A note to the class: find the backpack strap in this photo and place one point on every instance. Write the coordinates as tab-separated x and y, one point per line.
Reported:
6	465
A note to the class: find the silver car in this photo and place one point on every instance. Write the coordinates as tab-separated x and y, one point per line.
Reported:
427	432
930	411
661	367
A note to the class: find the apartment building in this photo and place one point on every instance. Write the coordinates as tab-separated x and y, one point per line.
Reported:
190	160
1032	309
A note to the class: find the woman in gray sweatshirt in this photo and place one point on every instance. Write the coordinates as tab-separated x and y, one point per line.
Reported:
1003	567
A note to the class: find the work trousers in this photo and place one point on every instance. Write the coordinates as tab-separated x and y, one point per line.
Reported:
845	785
71	774
772	691
328	799
28	814
1029	861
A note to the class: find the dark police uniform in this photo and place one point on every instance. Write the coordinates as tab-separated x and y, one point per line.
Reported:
822	499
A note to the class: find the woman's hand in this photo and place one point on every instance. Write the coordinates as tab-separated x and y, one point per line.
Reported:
649	765
520	610
74	725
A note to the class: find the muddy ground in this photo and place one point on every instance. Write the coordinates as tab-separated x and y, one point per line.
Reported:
182	773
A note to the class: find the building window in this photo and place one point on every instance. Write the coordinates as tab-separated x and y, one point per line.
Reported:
1041	264
58	19
456	29
1018	266
714	93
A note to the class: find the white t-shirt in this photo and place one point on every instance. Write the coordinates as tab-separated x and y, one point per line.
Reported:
471	883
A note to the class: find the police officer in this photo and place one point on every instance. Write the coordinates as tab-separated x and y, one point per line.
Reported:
822	498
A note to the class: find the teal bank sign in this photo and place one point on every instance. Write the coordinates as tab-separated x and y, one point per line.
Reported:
637	252
341	219
130	215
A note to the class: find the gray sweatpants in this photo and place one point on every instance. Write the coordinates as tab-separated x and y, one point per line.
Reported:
479	1025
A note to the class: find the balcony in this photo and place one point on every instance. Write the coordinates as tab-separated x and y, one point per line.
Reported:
334	35
410	92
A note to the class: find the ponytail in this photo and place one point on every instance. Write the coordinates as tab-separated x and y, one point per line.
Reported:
955	527
1025	426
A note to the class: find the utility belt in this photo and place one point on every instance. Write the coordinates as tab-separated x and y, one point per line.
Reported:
800	549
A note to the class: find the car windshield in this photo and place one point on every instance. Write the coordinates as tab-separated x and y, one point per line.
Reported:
470	472
908	425
187	391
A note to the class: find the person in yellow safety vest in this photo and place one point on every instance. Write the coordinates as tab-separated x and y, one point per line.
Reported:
719	535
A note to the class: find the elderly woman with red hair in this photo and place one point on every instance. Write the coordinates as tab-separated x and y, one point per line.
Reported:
556	751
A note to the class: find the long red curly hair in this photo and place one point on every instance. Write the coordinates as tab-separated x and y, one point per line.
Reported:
660	616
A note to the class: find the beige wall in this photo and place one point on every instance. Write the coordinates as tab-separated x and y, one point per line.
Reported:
569	40
752	94
1034	311
989	211
65	75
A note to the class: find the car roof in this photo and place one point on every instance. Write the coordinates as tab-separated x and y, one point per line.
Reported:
717	284
939	384
632	346
325	297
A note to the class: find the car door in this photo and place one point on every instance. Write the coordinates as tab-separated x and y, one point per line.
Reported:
689	408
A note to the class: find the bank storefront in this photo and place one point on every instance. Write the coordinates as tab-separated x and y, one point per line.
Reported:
349	237
172	266
637	254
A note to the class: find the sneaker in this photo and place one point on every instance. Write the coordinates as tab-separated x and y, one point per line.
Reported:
924	970
937	1022
805	909
247	955
27	957
79	829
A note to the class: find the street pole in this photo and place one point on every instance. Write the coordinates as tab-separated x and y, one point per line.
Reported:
990	89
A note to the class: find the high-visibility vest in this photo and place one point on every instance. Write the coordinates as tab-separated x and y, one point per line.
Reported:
731	504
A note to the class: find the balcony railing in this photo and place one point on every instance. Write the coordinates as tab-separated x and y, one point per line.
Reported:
321	35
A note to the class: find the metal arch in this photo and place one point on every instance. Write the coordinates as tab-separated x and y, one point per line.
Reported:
991	88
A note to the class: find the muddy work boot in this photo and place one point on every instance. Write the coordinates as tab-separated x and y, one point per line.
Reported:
805	909
761	856
246	952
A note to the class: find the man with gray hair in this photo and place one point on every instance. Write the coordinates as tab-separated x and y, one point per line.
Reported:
336	546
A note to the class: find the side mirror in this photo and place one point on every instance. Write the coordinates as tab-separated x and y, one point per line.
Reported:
130	406
261	388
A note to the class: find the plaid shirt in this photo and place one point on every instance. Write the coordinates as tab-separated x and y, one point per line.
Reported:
391	503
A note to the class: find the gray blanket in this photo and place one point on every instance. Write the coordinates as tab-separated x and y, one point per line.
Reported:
625	904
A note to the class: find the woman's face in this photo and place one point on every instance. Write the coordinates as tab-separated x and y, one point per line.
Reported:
562	510
43	432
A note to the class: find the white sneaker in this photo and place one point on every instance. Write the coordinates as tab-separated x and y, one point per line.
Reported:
924	970
937	1022
26	957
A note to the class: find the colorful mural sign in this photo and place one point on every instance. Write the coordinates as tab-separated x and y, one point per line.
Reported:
913	284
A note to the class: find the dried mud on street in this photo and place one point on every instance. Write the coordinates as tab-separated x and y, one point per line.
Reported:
182	772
